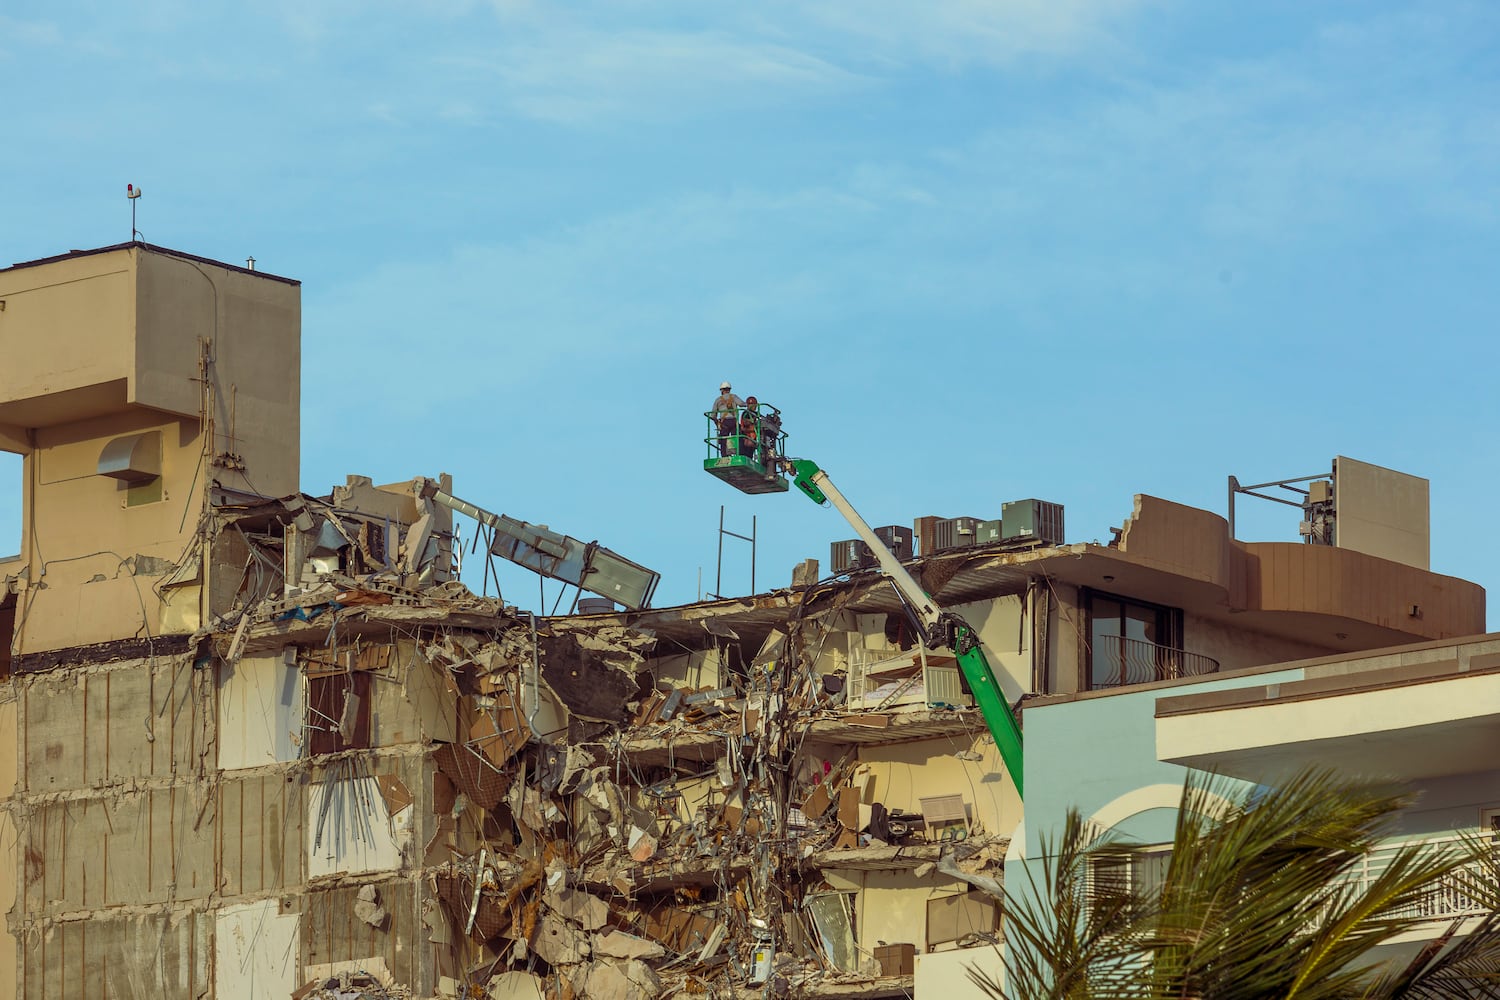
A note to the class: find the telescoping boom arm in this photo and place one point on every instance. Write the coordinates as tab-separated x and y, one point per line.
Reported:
941	628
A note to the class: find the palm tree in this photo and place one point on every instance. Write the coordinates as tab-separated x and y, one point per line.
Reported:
1258	901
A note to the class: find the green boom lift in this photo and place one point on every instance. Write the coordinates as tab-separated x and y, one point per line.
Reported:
753	460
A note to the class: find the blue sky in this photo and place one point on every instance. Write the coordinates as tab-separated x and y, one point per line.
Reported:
976	251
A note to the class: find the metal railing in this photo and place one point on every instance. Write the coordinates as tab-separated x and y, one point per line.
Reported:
1468	891
752	432
1116	661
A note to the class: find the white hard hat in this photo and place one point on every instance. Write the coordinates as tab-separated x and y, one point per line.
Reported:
724	385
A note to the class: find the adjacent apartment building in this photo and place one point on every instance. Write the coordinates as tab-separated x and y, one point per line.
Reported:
256	742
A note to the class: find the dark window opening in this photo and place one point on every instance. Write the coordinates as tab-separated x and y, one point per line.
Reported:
7	631
1129	879
1130	642
338	715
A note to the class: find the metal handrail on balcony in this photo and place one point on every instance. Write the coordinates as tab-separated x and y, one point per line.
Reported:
1466	891
1117	661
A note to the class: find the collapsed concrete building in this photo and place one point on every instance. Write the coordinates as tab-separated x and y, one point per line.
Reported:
266	745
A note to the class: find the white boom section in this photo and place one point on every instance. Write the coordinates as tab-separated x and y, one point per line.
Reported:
924	606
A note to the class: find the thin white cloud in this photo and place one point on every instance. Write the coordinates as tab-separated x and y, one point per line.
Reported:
668	59
962	32
1272	150
573	76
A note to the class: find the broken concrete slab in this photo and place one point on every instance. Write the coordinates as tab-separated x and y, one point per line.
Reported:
515	986
367	907
582	908
633	980
557	941
618	944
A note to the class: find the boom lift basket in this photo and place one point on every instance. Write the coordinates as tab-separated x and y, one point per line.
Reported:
749	458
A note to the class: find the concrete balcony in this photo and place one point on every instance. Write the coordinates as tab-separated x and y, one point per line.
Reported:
1412	714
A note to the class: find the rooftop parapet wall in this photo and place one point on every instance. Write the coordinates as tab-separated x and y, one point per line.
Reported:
68	336
1300	579
95	332
1185	541
1319	579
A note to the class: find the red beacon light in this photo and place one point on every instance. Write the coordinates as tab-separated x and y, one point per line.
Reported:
131	191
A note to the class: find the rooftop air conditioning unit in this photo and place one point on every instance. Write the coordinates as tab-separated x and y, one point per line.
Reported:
955	533
897	538
1035	521
850	555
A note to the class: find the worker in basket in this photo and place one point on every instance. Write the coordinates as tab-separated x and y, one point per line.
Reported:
770	437
724	409
749	435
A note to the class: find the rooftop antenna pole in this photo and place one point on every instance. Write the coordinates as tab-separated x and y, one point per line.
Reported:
134	194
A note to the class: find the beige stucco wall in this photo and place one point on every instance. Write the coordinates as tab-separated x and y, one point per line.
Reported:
891	906
1007	644
899	775
1236	649
93	559
67	326
1065	641
255	325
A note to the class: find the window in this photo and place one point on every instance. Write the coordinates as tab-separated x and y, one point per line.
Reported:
1130	642
1136	874
7	631
339	712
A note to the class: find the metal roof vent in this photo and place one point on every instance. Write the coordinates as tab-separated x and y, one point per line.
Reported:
134	458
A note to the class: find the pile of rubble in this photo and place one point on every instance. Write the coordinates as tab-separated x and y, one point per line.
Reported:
627	805
600	826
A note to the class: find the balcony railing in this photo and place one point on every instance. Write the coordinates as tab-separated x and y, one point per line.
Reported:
1116	661
1468	891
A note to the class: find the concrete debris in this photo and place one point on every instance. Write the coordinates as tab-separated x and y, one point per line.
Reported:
515	986
618	944
558	941
353	984
620	806
367	907
588	911
621	981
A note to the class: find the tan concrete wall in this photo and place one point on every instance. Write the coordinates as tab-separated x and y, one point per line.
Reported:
1007	646
105	345
1065	641
903	773
125	825
892	907
95	556
1236	649
66	326
1290	576
1184	540
1322	579
137	955
1382	512
10	847
256	328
